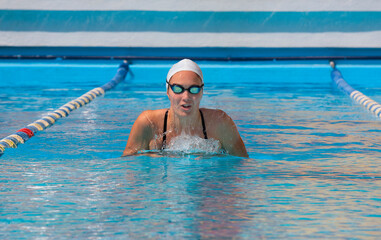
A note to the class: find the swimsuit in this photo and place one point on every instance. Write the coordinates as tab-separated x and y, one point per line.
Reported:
165	128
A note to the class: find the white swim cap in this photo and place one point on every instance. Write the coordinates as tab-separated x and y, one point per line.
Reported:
184	65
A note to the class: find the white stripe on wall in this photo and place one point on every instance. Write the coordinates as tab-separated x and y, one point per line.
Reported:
196	5
163	39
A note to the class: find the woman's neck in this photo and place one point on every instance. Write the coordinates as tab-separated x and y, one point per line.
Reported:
186	124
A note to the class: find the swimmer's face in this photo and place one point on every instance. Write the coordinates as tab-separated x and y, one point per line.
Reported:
185	103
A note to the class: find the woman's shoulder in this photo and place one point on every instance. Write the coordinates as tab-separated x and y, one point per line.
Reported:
214	113
216	117
154	113
151	117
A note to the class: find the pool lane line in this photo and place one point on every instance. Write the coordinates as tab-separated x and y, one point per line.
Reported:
24	134
357	96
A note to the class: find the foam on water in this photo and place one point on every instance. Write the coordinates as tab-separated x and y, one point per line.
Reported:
185	143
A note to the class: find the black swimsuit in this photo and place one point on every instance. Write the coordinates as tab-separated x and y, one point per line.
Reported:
165	128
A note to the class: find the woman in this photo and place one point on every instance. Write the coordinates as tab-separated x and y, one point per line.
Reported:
154	129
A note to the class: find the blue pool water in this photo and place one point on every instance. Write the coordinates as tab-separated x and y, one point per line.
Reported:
313	171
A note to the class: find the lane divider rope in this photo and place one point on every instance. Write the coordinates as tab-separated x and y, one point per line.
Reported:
373	106
24	134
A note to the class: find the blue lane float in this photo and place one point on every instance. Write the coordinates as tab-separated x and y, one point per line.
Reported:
357	96
24	134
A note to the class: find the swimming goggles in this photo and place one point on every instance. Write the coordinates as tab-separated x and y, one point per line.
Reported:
177	89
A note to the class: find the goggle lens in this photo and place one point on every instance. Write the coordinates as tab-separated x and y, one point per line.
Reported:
177	89
194	90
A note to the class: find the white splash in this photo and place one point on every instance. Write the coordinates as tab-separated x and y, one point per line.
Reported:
193	144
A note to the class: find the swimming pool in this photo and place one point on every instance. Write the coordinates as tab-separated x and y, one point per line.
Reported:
313	171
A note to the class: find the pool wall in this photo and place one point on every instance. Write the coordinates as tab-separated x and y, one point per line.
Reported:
199	28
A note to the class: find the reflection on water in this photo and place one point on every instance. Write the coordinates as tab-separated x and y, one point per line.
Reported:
314	171
323	139
187	197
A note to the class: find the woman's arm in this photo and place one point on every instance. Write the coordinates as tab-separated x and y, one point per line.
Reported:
230	139
140	135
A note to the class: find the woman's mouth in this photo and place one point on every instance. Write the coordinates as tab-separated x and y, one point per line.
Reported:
186	106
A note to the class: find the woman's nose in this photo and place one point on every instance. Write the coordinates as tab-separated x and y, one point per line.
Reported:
187	95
